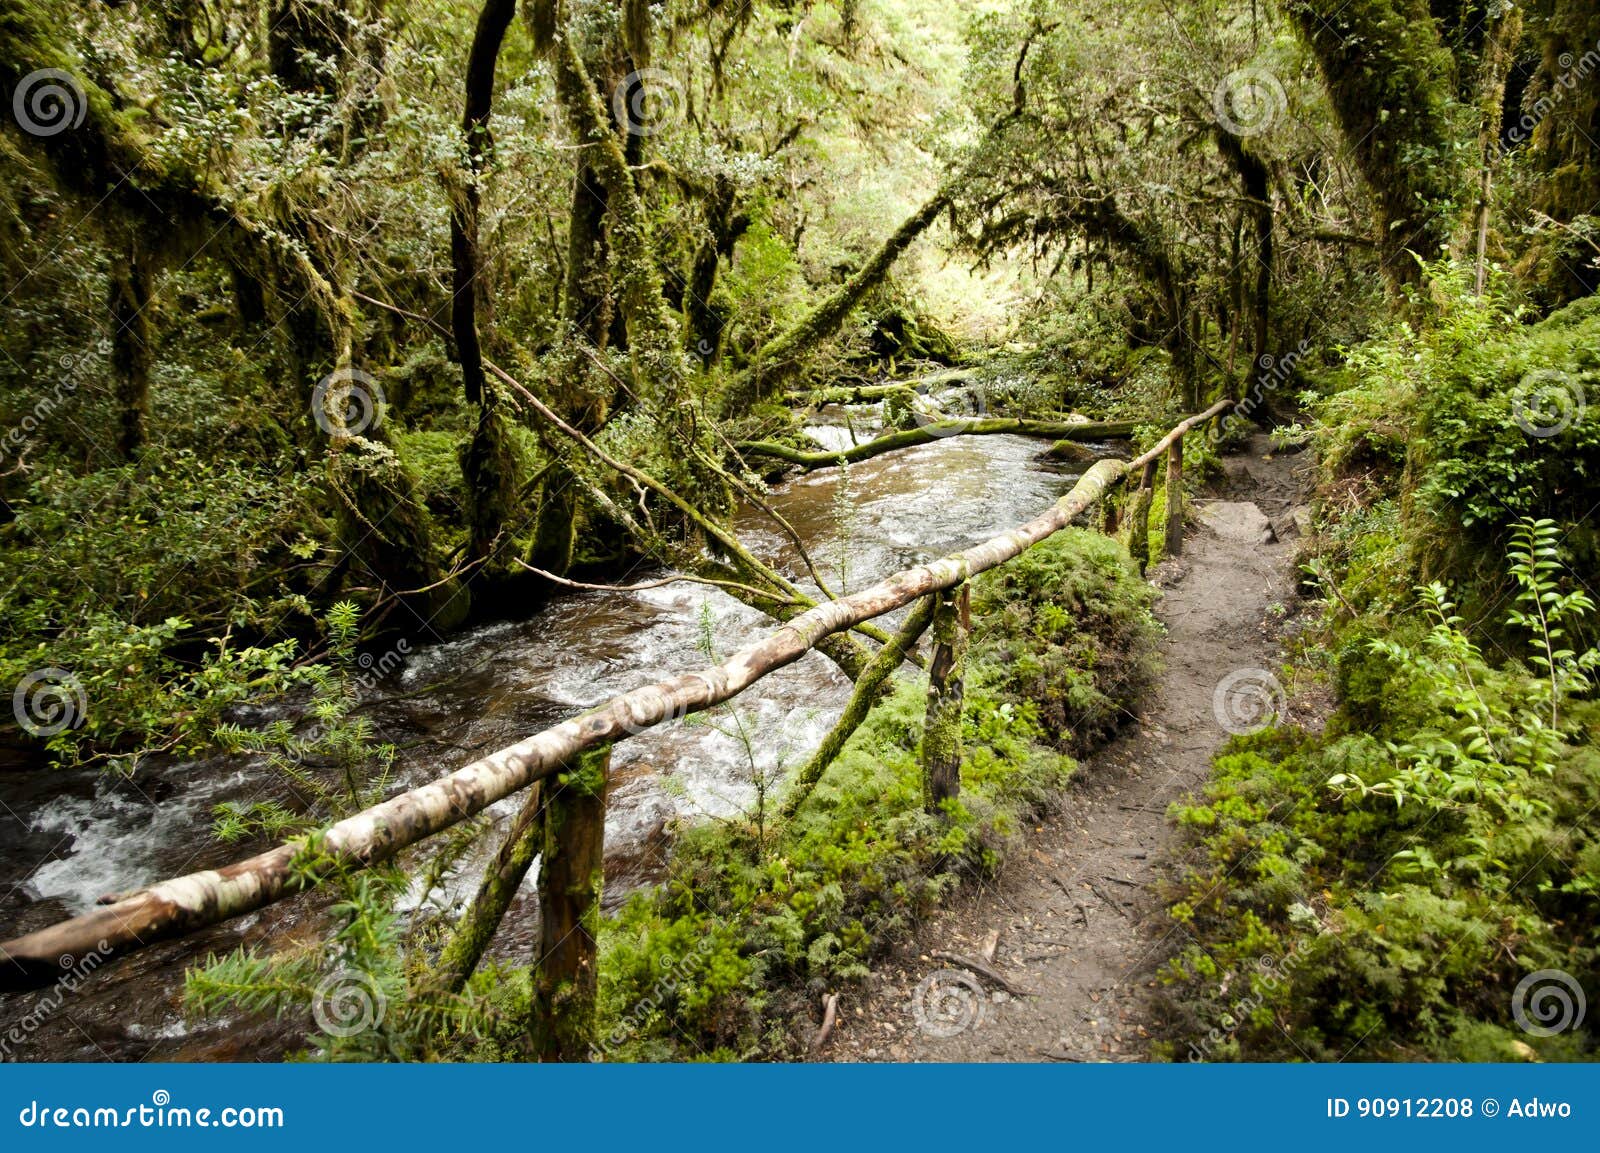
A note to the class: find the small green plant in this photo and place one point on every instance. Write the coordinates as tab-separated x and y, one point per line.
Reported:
1496	737
1397	921
358	985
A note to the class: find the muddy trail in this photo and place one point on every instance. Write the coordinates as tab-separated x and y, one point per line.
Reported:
1056	958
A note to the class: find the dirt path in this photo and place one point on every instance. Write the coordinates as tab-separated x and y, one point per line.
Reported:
1072	924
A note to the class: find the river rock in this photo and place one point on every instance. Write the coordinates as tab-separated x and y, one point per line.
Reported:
1071	450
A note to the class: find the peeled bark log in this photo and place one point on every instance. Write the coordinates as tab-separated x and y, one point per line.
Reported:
181	905
938	430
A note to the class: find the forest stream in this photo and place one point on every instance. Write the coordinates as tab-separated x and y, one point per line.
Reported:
88	834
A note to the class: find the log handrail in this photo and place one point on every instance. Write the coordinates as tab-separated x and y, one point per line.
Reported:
175	907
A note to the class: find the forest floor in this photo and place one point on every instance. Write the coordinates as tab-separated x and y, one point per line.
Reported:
1073	923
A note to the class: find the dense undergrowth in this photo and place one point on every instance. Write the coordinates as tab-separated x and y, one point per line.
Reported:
730	957
1418	879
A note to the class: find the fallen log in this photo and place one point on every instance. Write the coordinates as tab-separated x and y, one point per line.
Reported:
939	430
867	393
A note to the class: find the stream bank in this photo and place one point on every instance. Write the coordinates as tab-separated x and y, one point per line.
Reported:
74	836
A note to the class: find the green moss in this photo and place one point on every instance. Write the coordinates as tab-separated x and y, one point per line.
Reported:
1066	629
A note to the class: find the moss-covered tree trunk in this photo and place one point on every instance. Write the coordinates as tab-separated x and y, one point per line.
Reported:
1564	100
870	686
1501	35
1172	540
704	319
1390	80
1256	184
582	397
131	343
571	875
487	464
502	879
780	358
947	670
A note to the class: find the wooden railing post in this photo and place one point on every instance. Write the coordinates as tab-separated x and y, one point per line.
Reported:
941	728
1174	543
1139	516
571	871
501	879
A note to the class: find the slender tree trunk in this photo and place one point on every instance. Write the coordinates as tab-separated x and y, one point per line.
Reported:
487	464
131	345
493	20
1500	41
587	315
571	874
941	731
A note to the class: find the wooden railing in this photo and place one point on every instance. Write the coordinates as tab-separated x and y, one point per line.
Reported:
565	824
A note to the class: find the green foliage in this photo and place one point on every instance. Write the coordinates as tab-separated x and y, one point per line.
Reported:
366	1001
1476	419
1066	629
1381	889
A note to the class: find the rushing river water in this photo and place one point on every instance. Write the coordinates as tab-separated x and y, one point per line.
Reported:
71	837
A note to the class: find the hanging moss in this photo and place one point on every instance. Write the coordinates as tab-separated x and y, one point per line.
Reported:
1391	82
1563	102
